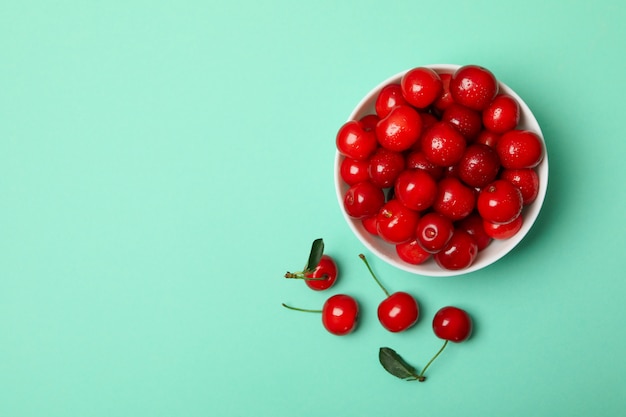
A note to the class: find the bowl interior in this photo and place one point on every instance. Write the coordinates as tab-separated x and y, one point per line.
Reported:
498	248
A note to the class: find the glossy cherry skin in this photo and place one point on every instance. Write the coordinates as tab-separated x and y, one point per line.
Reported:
443	145
467	121
327	269
416	189
421	86
459	253
454	200
453	324
473	86
385	166
519	149
499	202
417	160
353	171
340	314
503	231
389	97
396	223
398	312
355	141
502	114
434	231
526	179
399	129
473	224
479	165
412	252
445	99
363	200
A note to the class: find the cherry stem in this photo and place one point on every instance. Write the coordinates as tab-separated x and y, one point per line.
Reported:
301	275
373	275
421	376
301	309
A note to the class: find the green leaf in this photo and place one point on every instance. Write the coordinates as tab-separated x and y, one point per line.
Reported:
317	250
395	365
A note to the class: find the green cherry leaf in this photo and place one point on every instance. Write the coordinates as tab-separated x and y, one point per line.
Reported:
317	250
395	365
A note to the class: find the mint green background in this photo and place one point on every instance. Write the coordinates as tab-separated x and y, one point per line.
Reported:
163	163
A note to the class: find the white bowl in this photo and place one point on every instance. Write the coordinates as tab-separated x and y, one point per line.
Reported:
497	248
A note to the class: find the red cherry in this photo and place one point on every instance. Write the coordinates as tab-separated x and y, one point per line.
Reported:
363	200
396	223
467	121
385	166
473	86
421	87
526	179
323	276
389	97
443	145
473	224
454	199
412	253
488	138
398	311
354	141
417	160
499	202
519	149
452	324
340	314
503	230
353	171
502	114
479	165
445	100
400	129
369	122
459	253
369	223
416	189
434	232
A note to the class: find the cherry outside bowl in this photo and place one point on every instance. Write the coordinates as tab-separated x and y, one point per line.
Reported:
497	248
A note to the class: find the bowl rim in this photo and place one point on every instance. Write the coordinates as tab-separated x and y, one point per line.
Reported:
497	248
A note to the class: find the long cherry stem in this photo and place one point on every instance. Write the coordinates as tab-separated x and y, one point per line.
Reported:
301	309
301	275
421	376
373	275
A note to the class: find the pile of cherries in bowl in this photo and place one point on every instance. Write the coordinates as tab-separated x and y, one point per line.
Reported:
441	170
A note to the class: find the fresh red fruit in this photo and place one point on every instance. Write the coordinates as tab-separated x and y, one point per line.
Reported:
467	121
340	314
479	165
445	100
398	312
421	87
454	199
399	129
473	86
499	202
323	276
519	149
453	324
488	138
385	166
369	122
353	171
526	179
412	253
355	141
502	114
503	230
369	223
416	189
443	145
434	232
473	224
459	253
389	97
417	160
396	223
363	200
